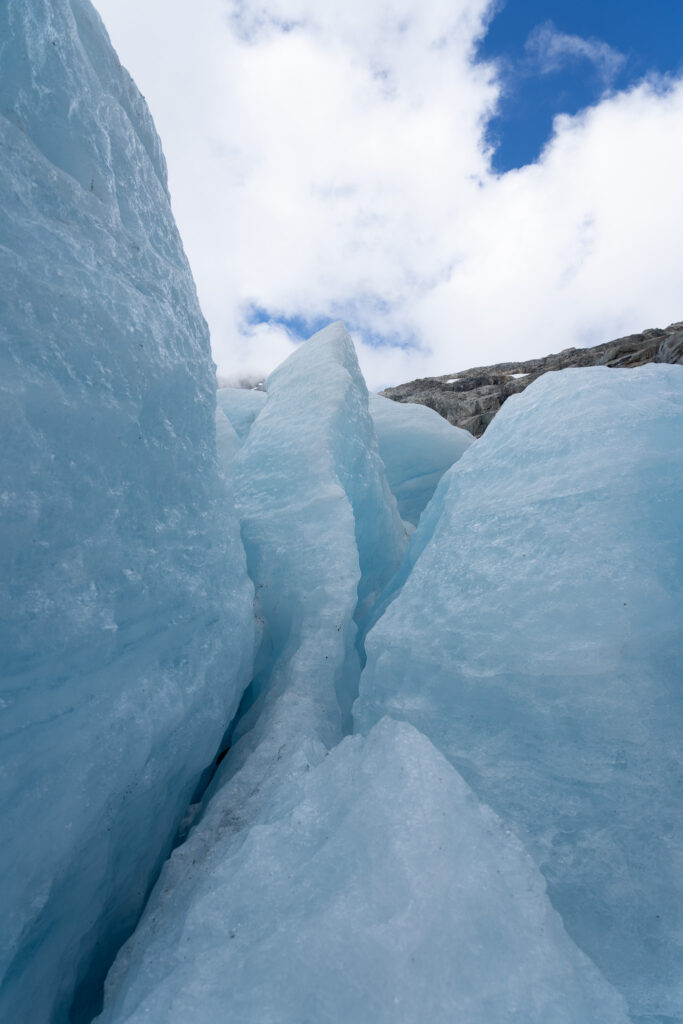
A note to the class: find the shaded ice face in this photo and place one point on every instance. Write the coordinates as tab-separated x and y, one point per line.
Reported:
125	605
536	641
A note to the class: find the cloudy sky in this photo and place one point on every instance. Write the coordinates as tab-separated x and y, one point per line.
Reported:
461	181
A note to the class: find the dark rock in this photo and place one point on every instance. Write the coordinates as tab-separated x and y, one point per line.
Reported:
671	348
471	398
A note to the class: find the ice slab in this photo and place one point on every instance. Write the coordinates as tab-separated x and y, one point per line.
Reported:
322	535
124	602
535	636
417	447
227	444
241	406
386	893
416	443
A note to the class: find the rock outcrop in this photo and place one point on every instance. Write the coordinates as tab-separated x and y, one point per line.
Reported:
471	398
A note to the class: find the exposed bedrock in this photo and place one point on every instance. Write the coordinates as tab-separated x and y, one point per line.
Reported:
471	398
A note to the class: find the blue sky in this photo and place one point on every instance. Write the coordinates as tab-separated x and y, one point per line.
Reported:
554	57
646	34
461	185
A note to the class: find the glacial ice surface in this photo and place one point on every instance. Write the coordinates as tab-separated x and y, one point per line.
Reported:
417	447
241	406
532	634
125	608
329	879
323	536
227	445
535	636
373	888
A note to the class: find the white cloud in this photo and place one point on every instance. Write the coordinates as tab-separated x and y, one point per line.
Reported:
580	247
328	160
551	50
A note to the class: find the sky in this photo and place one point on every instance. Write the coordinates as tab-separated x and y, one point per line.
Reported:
461	181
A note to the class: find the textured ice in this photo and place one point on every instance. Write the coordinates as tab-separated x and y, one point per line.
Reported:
532	634
537	641
241	406
124	602
227	444
417	447
322	535
386	893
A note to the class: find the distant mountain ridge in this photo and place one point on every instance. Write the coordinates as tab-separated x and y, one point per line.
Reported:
471	398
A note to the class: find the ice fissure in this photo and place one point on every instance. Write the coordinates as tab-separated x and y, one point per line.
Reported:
480	823
312	590
322	534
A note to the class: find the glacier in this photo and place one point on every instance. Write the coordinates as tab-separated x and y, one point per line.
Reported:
387	887
227	446
323	538
313	709
417	447
387	894
415	444
534	634
240	407
125	607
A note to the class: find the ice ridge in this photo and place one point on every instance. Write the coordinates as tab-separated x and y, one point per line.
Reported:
322	535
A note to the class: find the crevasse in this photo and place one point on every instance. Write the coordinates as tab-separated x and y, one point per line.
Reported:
518	717
386	890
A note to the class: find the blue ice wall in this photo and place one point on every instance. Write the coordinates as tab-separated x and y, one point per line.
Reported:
125	608
241	406
535	637
532	634
417	447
